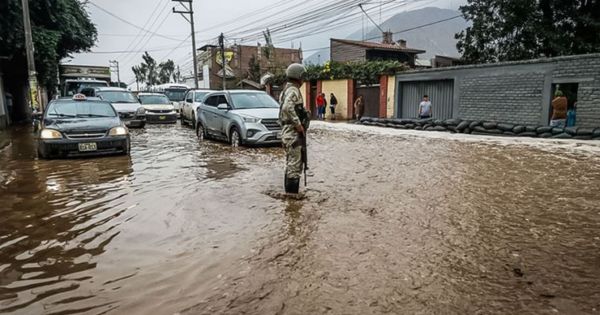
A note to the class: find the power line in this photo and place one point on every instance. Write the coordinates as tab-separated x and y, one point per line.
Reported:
398	32
131	24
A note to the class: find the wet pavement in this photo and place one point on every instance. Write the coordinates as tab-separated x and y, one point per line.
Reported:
390	223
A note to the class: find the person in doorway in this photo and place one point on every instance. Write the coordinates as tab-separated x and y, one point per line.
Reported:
425	109
320	105
359	107
572	116
559	110
332	104
295	121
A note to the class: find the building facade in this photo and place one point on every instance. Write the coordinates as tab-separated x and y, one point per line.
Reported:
512	92
343	50
239	63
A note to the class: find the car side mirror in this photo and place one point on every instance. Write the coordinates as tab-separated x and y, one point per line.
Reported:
223	106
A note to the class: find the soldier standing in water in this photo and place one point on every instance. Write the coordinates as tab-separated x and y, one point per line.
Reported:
294	120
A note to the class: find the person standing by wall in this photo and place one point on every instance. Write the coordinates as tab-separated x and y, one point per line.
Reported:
559	110
320	104
359	107
425	110
332	104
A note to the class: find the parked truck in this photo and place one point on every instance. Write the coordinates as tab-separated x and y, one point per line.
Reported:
74	78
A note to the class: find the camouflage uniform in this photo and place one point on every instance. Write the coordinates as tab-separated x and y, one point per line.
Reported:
291	102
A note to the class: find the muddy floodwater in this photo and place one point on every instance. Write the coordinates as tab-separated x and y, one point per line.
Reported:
390	224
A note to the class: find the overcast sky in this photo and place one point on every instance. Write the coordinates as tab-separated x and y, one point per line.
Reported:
115	36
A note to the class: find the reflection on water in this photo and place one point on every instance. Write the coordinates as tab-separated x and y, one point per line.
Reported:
398	225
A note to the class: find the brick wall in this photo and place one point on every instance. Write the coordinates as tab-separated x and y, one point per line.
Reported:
511	98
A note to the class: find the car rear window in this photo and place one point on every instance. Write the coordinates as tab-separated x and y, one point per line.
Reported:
117	96
73	109
154	99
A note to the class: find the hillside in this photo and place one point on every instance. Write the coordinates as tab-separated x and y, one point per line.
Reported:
437	39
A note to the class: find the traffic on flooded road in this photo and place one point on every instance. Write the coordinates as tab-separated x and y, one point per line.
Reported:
390	222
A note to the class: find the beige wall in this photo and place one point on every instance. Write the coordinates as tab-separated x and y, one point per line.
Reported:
391	97
303	92
340	89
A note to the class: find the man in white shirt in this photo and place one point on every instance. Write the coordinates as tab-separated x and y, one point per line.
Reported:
425	109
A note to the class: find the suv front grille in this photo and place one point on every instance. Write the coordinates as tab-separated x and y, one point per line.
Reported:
271	124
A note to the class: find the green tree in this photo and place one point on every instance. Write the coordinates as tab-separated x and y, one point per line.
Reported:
59	27
166	71
151	69
140	74
505	30
254	73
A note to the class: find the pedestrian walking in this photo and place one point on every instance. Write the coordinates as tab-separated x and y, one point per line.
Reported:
359	107
294	120
320	104
332	104
425	110
559	110
324	109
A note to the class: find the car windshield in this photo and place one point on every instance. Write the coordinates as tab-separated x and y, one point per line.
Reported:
75	109
253	100
117	96
199	97
154	99
175	95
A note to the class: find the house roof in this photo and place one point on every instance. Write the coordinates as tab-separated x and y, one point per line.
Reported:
380	46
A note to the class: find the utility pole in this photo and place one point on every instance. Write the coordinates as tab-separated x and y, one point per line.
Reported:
34	101
190	11
115	63
223	63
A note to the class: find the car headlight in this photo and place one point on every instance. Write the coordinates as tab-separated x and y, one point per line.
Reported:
118	131
251	120
140	111
50	134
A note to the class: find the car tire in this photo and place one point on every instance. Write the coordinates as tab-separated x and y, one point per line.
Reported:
182	117
201	132
41	155
235	138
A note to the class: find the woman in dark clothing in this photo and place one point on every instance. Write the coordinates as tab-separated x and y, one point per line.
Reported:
332	104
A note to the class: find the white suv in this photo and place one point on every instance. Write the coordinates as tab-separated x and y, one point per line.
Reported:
189	107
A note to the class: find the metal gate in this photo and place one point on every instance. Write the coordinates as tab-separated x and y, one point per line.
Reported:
370	99
441	95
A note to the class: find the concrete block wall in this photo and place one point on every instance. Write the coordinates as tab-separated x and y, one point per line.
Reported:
517	92
510	97
586	72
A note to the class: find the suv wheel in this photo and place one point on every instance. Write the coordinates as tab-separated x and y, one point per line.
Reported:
235	139
201	132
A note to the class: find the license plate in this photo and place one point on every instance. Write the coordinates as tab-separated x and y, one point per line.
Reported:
87	147
162	117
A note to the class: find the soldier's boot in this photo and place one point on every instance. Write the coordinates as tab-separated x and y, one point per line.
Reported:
292	186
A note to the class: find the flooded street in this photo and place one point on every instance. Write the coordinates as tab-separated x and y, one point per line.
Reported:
390	224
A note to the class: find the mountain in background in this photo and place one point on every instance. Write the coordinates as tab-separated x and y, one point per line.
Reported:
437	39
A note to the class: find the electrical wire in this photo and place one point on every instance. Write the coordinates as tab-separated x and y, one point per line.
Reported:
131	24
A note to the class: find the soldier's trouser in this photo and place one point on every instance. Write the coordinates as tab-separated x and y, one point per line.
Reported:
293	166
